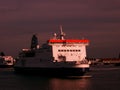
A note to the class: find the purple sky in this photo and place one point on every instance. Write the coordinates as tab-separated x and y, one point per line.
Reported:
96	20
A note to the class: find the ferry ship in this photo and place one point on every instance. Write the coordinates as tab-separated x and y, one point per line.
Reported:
57	57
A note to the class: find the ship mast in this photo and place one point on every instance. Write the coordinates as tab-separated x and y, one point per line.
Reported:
62	34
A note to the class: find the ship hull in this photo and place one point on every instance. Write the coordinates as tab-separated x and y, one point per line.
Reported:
6	66
51	71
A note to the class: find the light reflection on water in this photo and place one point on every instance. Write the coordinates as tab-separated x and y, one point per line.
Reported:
69	84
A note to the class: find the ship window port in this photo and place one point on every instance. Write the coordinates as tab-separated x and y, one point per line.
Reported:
69	50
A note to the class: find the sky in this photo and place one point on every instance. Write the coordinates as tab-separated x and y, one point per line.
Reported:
96	20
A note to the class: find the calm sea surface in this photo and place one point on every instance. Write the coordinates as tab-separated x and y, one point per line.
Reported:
99	78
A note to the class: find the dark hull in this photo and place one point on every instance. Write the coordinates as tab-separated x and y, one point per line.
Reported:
6	66
51	71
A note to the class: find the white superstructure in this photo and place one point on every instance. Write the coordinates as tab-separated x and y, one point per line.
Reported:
68	49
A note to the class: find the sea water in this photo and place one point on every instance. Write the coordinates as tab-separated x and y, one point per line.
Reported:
99	78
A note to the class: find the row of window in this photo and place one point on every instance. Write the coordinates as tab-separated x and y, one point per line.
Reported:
67	46
68	50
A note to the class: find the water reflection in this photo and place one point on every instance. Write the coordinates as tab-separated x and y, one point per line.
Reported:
69	84
102	79
43	83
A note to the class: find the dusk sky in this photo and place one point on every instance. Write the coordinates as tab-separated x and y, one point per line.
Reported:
96	20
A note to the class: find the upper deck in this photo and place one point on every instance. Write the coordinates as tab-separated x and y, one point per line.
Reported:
86	41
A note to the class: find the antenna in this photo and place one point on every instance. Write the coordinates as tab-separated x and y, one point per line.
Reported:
61	32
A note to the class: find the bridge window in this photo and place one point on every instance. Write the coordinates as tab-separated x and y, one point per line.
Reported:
64	50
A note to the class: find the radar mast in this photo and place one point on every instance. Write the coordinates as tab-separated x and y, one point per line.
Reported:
62	34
